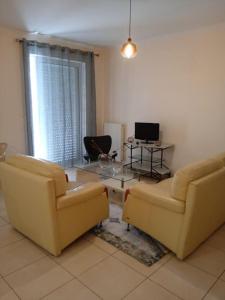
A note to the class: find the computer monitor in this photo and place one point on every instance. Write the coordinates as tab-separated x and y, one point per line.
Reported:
147	131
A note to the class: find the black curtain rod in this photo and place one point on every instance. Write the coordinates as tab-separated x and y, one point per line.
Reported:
21	41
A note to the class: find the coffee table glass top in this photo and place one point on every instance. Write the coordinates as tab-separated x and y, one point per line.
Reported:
109	169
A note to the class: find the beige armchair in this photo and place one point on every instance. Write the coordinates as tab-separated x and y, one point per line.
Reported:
41	207
181	212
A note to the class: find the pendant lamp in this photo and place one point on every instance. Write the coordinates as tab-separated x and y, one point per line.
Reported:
129	49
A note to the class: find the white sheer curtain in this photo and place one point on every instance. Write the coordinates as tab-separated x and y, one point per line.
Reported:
60	101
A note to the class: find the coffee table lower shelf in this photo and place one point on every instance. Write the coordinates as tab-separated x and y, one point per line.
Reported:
114	184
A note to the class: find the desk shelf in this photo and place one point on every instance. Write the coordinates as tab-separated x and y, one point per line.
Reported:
146	158
154	167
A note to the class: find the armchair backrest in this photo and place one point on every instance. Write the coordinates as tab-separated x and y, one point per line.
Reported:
41	167
192	172
204	212
29	192
221	156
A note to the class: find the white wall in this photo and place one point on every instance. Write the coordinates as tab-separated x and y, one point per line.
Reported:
12	114
179	81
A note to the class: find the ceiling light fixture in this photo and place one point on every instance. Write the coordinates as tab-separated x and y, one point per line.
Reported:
129	49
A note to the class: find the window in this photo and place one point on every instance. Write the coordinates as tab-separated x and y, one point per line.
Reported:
59	103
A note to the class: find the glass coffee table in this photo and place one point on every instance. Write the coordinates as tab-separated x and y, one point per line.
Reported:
114	174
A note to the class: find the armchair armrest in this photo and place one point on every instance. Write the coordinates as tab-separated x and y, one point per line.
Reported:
158	196
81	193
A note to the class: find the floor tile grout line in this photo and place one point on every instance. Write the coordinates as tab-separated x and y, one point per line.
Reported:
204	243
200	269
59	287
1	247
163	264
133	258
4	222
99	247
221	276
21	268
8	224
112	255
217	248
2	215
6	282
132	290
211	287
101	260
132	268
108	255
169	290
163	287
59	265
92	243
76	277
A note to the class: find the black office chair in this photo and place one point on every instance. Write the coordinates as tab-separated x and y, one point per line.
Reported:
96	145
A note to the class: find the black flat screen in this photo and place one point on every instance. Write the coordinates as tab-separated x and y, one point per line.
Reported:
147	131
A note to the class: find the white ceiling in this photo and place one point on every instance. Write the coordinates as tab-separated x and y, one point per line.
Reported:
105	22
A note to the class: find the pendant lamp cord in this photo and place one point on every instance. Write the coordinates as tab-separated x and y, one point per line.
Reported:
130	21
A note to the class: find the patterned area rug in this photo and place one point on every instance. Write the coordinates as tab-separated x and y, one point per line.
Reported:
134	242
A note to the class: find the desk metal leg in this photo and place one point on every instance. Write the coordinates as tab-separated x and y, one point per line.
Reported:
161	158
151	160
122	183
131	157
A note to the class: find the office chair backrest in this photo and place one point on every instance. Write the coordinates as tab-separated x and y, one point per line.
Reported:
96	145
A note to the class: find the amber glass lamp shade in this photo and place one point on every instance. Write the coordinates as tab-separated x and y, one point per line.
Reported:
129	49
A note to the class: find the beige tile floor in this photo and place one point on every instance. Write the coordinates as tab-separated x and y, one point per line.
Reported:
92	269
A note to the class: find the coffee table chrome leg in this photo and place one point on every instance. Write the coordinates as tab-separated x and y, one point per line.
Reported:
128	227
122	183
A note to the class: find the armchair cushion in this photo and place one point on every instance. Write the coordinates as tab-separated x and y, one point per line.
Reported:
194	171
41	167
159	195
80	194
